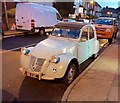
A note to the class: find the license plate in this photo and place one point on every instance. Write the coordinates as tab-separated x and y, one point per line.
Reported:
29	74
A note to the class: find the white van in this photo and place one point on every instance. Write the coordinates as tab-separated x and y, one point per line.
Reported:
36	17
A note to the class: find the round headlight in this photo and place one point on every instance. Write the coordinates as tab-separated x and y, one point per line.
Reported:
108	30
55	59
25	51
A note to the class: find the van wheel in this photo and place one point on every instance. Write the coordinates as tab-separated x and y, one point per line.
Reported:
110	40
70	74
42	31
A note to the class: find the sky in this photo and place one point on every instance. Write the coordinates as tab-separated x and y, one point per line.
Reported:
103	3
109	3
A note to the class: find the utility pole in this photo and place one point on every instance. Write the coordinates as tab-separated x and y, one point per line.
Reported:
6	16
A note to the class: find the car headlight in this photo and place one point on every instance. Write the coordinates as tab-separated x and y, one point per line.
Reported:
25	51
108	30
55	59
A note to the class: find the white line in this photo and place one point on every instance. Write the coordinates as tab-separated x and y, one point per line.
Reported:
17	48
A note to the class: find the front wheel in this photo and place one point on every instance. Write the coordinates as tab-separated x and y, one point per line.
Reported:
70	74
110	40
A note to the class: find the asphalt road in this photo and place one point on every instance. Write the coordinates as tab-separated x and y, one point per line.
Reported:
17	87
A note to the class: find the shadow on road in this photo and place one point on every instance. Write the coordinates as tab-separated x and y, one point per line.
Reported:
21	40
35	90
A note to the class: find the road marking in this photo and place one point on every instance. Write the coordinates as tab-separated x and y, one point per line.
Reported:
17	48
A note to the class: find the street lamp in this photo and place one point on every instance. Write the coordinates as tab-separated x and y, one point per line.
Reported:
92	2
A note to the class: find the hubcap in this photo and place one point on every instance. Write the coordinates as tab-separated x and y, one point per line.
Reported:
41	32
71	74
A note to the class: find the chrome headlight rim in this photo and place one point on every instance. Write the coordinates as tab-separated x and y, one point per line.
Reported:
108	30
25	51
55	59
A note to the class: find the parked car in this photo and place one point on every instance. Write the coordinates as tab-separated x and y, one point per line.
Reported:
106	28
83	20
33	17
69	20
59	56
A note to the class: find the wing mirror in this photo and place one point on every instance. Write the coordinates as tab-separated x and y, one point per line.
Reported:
83	40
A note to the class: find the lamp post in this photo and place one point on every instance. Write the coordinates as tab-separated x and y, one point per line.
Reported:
80	10
6	17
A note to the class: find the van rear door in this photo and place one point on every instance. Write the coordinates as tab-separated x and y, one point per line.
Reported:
23	16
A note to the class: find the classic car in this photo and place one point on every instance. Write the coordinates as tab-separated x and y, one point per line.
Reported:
106	28
59	56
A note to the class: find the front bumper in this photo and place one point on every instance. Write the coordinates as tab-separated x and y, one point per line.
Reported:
37	75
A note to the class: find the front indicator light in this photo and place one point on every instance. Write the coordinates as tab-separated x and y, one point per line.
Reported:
25	51
55	59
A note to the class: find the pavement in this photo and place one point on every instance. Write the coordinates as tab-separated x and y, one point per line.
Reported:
99	82
12	32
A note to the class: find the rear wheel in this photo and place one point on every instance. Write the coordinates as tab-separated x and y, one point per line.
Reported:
70	74
42	31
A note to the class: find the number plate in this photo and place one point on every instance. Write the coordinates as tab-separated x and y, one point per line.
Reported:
29	74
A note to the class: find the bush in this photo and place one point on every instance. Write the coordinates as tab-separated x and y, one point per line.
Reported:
11	12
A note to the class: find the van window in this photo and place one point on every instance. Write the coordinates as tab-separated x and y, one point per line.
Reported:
58	16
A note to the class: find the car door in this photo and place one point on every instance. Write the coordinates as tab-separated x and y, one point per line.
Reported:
83	46
91	40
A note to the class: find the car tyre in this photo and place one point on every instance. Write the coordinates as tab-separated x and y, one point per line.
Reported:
42	31
70	75
110	40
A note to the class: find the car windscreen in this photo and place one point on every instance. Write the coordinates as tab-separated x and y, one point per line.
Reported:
104	21
67	33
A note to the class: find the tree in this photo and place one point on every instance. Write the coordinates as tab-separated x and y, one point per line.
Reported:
64	8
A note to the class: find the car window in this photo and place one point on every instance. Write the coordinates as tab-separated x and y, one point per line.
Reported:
104	21
91	33
84	36
58	16
64	32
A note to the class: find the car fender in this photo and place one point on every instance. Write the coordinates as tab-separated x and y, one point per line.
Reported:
60	67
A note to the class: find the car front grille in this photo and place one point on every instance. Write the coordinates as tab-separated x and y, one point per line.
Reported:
100	29
36	63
